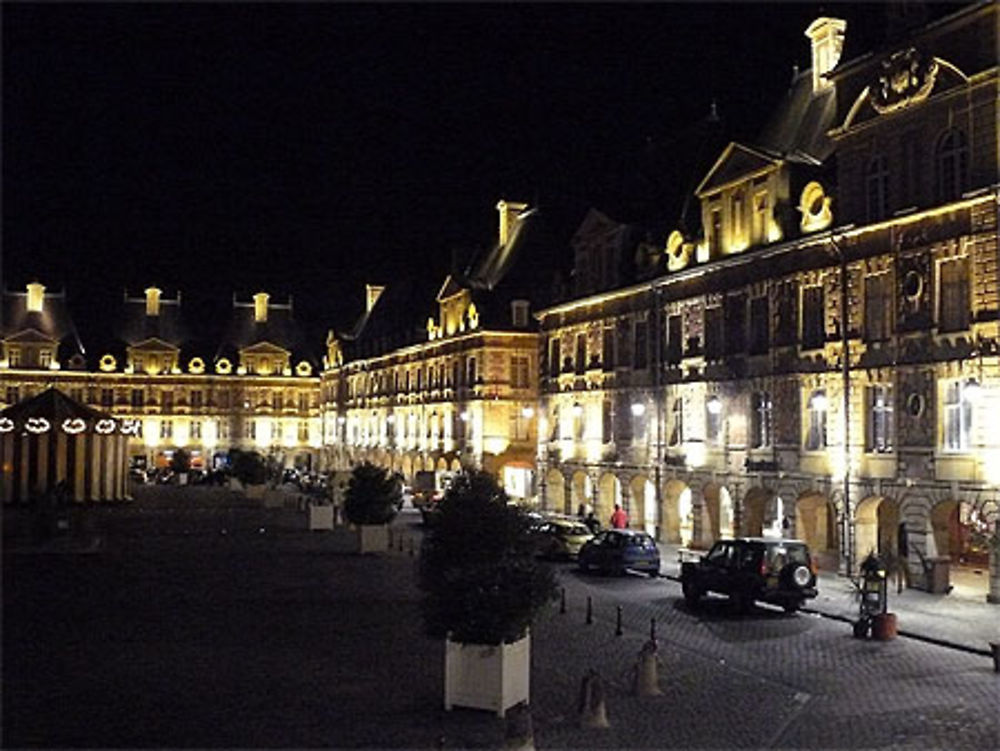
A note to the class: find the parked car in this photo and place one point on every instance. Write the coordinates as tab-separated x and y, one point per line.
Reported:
615	551
561	538
749	569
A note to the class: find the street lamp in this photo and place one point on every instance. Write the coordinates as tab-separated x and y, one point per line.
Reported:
714	405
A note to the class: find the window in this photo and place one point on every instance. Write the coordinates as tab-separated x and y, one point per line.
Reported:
607	421
303	431
760	340
880	422
303	401
957	417
581	354
471	375
14	357
713	420
787	324
952	165
953	314
715	236
167	429
279	400
813	330
640	358
677	422
13	395
519	375
137	400
554	359
519	313
196	398
45	358
816	432
760	216
713	333
877	188
675	348
761	420
608	348
735	324
196	429
738	218
879	302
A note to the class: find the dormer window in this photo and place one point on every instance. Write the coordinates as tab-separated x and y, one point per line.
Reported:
519	313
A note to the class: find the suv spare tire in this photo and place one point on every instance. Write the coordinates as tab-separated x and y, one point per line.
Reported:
801	575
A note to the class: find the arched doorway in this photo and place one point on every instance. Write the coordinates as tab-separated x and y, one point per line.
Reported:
581	490
876	528
642	494
555	492
428	464
957	535
758	505
676	513
407	465
608	494
816	525
456	466
717	514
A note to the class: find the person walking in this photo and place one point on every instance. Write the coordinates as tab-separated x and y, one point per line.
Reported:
619	519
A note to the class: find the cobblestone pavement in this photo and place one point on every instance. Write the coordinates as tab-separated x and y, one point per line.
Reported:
174	633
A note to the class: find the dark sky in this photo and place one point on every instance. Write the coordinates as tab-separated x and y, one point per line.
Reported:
307	148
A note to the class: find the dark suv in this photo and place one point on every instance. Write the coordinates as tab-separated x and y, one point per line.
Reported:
747	569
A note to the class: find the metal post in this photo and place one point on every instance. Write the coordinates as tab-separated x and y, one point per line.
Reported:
562	600
652	629
590	611
618	627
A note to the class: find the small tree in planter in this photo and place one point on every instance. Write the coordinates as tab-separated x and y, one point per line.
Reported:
483	588
249	468
180	463
370	502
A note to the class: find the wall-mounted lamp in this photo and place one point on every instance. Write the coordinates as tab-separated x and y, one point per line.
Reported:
464	416
972	390
818	401
714	405
577	409
527	413
638	409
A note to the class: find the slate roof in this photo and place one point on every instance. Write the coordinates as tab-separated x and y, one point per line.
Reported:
53	322
135	326
797	129
280	328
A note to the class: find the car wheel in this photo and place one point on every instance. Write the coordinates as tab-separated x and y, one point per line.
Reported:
691	593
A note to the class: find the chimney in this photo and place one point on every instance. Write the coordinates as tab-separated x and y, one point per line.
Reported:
827	37
153	301
372	294
260	307
508	215
36	295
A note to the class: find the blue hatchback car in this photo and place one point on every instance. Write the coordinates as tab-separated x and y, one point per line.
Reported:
615	551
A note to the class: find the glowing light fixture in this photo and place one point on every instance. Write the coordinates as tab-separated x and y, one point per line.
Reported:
638	409
73	425
714	404
37	425
105	426
818	401
527	412
577	409
6	425
972	390
464	416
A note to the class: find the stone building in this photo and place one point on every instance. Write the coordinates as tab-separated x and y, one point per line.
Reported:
459	392
256	390
821	359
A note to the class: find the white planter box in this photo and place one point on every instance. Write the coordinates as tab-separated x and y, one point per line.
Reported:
485	676
321	517
373	538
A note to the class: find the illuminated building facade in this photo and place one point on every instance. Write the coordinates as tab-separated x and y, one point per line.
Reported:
822	359
257	391
461	391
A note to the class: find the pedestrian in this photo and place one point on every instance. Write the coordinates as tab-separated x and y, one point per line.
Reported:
581	511
592	524
619	519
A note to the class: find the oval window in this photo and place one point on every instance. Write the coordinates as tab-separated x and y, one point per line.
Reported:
913	285
915	405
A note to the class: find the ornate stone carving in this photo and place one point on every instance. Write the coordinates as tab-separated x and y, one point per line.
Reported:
904	77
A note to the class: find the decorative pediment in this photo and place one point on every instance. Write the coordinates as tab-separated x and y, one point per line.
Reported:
449	289
594	225
264	348
30	336
737	162
154	345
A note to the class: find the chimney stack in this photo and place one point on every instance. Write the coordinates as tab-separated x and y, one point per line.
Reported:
827	37
36	296
372	294
153	301
508	215
260	307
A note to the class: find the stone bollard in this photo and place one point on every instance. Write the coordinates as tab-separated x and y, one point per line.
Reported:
647	680
593	710
995	646
518	733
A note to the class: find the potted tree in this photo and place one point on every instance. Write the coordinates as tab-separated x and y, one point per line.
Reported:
483	586
180	464
250	471
370	503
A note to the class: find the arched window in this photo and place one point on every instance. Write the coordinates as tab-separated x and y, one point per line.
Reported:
877	188
952	165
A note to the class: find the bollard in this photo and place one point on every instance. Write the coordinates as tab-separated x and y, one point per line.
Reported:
590	611
652	630
995	649
647	682
592	708
400	548
618	627
389	538
562	600
518	732
411	547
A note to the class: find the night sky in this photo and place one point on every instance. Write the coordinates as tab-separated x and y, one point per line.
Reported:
305	149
